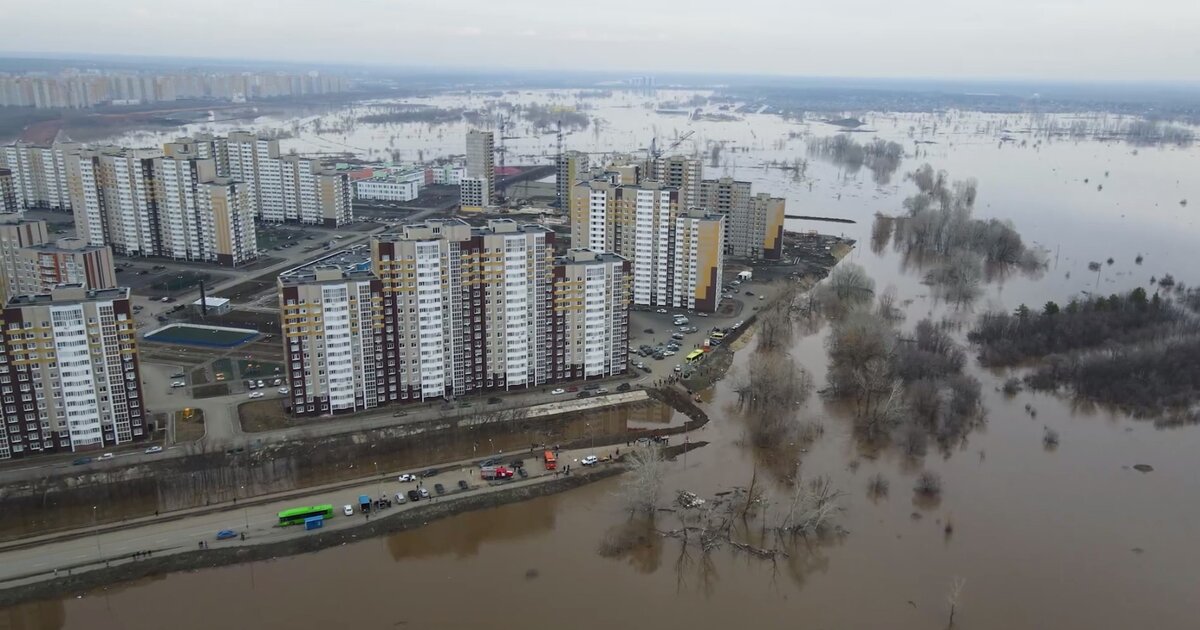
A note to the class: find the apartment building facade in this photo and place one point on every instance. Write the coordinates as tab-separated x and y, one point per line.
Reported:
69	373
333	339
39	175
16	233
481	166
571	168
37	269
590	324
754	223
681	173
670	249
699	255
8	193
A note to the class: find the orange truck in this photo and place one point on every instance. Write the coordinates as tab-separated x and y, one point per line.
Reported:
551	461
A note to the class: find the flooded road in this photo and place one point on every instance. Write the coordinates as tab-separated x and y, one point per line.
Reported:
1071	537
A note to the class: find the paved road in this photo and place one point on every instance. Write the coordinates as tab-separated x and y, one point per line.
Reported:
258	522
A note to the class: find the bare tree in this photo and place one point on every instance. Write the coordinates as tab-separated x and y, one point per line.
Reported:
642	484
847	287
953	597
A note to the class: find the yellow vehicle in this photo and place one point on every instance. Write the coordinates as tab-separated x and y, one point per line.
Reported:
694	355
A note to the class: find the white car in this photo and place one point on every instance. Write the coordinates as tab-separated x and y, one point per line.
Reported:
590	460
348	510
405	478
259	383
256	394
558	391
283	390
177	384
106	456
153	449
424	493
662	311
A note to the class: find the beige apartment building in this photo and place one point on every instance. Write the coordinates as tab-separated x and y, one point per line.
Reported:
481	167
39	268
333	336
9	203
16	233
69	373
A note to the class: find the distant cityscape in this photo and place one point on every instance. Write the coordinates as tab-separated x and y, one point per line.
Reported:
84	89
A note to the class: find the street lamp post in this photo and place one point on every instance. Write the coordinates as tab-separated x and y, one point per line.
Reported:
96	530
378	479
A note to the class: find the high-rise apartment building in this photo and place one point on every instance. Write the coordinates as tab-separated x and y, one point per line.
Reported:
591	316
9	203
69	372
470	305
333	338
681	173
16	233
699	260
39	175
570	169
754	223
113	198
37	269
669	248
202	216
481	165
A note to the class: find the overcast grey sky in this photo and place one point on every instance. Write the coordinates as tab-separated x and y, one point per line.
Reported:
1054	39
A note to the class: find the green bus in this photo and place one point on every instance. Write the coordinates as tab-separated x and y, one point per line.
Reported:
296	516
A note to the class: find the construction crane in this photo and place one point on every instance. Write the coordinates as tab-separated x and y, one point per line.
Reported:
655	152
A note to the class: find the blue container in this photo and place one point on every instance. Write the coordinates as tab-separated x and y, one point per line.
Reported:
314	522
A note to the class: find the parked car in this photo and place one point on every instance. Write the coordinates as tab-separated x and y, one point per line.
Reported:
491	461
521	471
661	311
602	390
413	495
178	384
153	449
558	391
81	461
590	460
583	394
407	477
400	498
256	394
106	456
424	493
678	336
462	485
177	375
429	472
517	463
259	383
348	510
623	387
644	368
226	534
573	388
282	390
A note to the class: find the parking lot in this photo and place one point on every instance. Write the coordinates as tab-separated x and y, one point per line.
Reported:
657	329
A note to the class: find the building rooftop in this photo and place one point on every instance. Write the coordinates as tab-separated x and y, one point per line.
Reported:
212	302
69	294
587	256
68	244
315	274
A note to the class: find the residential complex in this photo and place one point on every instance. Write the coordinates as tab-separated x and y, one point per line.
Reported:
69	372
333	339
644	224
449	309
389	184
85	89
481	170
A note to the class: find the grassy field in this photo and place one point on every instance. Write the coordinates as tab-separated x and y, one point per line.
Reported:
265	415
210	391
179	281
189	429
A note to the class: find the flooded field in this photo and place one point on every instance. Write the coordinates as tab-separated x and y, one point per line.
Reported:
1070	537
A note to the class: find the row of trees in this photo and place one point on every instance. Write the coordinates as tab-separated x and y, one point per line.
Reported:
881	157
1007	339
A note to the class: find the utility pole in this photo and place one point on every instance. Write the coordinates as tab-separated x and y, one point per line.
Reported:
96	531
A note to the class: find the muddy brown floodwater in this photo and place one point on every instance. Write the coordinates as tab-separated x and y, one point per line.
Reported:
1071	538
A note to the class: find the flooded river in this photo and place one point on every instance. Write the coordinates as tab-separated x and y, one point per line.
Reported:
1071	537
